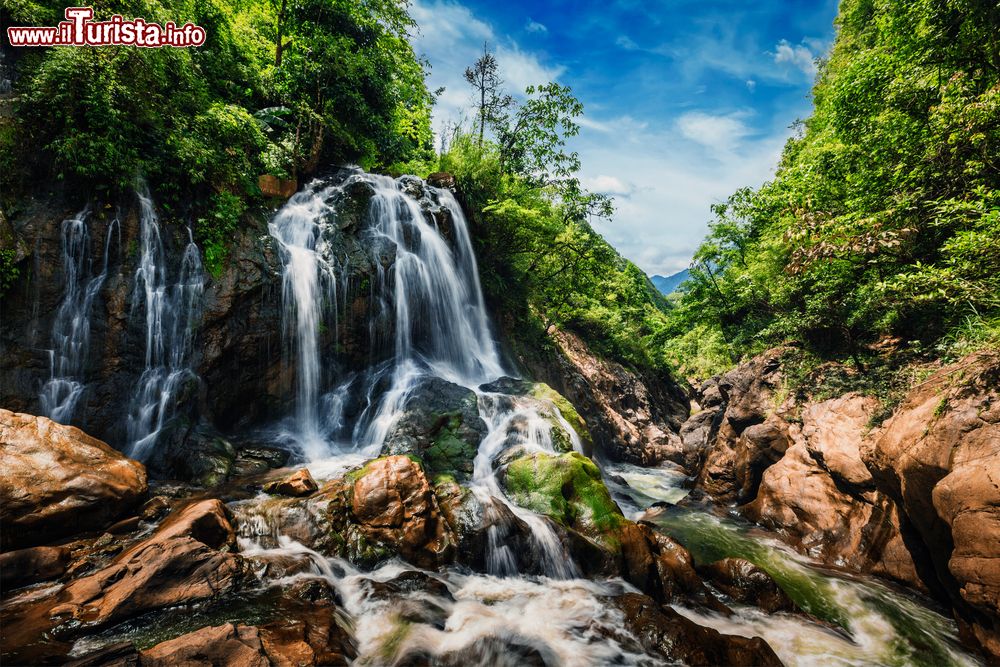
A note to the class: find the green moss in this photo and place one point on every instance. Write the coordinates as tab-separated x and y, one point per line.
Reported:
393	640
567	488
542	391
449	453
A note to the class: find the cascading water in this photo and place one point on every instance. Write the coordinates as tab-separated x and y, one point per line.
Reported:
441	329
71	328
308	285
171	312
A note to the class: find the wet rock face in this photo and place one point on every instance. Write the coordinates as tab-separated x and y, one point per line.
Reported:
939	459
32	565
57	481
821	496
226	645
299	483
395	506
664	631
744	582
633	416
441	425
189	558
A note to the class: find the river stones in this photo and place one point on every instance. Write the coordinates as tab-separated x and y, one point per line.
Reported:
664	631
744	582
31	565
57	480
299	483
187	559
226	645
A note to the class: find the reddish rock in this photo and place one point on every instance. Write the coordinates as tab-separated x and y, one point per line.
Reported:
221	646
394	505
29	566
182	562
939	458
821	496
57	481
299	483
632	415
744	582
663	631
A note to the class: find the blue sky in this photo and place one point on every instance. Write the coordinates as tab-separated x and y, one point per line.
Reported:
685	101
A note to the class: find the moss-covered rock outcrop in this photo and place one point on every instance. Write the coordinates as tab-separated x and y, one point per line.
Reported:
567	488
441	425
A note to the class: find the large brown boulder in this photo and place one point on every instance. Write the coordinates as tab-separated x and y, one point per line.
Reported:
57	480
394	505
748	431
221	646
939	458
821	497
744	582
31	565
187	559
385	509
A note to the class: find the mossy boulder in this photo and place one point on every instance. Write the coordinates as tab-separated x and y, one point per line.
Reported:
441	425
550	405
544	392
565	487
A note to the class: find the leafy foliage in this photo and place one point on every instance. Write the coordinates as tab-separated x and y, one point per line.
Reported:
881	222
541	260
283	87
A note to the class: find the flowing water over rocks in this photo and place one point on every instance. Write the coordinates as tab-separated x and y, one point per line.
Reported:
170	308
71	327
443	512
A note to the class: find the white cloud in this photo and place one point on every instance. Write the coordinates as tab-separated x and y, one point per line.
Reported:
722	134
751	85
798	56
627	43
608	185
520	69
535	26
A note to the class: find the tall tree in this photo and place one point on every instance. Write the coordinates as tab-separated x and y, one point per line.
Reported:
484	76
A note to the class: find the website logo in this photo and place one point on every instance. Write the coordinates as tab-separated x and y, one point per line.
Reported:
80	30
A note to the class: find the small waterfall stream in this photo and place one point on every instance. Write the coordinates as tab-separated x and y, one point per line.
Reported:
171	310
71	328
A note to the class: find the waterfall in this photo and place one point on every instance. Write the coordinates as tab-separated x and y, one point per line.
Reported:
440	320
171	313
71	327
308	283
440	324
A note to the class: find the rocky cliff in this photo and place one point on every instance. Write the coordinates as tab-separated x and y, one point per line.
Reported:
914	500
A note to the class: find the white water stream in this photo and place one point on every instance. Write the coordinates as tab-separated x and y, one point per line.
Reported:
62	392
170	308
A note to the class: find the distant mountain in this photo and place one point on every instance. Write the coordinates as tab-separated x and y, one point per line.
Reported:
668	284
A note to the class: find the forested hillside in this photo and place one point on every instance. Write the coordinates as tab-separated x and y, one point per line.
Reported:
280	88
879	231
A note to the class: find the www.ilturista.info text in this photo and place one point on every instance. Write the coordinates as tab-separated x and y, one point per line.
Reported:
79	30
